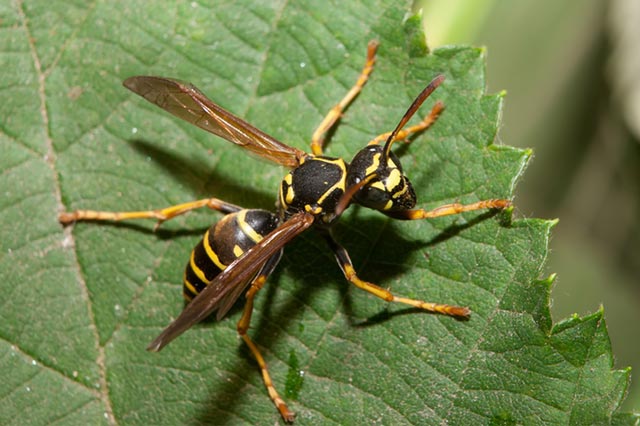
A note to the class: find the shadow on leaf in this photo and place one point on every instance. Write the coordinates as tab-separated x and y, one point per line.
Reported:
192	174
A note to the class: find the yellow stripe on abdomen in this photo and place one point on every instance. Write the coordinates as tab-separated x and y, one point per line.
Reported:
211	253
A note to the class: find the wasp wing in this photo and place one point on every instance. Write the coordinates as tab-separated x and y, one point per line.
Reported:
229	299
185	101
239	272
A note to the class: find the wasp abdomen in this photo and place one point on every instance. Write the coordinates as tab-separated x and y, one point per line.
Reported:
223	243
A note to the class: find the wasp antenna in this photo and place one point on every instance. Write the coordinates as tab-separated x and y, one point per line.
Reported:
417	103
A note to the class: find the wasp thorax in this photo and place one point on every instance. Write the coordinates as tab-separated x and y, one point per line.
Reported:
314	187
390	190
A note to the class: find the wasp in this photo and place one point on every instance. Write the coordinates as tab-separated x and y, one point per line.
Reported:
238	253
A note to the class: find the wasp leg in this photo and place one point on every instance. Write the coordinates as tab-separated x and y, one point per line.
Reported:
405	133
317	140
161	214
342	256
243	326
449	209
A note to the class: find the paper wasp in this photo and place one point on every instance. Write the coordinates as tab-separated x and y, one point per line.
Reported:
243	248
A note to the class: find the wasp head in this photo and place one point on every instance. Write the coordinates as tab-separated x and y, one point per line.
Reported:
375	178
386	189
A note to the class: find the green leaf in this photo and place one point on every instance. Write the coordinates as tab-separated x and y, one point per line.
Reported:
81	303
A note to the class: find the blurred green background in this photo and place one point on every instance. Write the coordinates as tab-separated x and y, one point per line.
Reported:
572	74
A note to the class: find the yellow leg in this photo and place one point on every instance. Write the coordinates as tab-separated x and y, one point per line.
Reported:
449	209
405	133
161	214
317	140
243	326
350	274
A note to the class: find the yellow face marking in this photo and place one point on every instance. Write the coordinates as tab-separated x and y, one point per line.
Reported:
340	184
237	251
210	253
197	270
394	179
378	185
375	164
400	193
246	228
388	205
